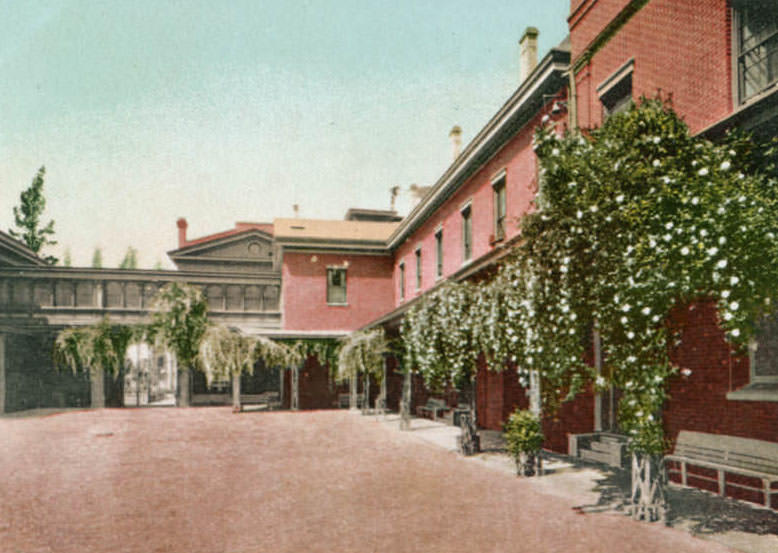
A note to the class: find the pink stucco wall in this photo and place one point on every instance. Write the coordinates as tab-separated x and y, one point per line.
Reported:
519	162
368	290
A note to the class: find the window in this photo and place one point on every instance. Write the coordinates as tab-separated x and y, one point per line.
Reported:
500	206
439	253
467	233
336	286
616	91
756	44
402	281
763	360
418	268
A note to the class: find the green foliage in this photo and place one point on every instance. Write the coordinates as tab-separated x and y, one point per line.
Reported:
101	347
523	433
97	259
362	352
130	260
179	321
325	351
27	218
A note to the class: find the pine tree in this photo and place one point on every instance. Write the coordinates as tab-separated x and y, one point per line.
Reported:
27	218
130	260
97	259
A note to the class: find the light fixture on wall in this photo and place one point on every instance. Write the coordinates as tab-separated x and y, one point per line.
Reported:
314	259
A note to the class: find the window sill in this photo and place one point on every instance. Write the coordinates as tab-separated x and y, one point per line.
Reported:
758	391
337	304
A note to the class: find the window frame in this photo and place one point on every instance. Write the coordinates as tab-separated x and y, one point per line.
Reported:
332	270
419	273
466	211
401	269
439	253
500	205
738	80
611	91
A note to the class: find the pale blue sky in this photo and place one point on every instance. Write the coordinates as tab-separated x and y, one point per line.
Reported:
144	111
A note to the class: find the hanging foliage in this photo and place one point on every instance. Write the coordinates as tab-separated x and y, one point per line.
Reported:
362	353
101	347
225	352
179	321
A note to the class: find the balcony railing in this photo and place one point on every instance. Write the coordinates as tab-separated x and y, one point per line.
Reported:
64	296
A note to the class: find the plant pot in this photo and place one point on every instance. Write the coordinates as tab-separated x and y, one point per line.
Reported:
526	463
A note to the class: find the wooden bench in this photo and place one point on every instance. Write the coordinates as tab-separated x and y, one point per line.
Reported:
433	406
755	459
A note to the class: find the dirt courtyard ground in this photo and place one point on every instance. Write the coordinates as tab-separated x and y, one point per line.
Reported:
206	480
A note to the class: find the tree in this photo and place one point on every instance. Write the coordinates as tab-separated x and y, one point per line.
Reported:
27	218
363	353
227	353
179	321
97	259
130	260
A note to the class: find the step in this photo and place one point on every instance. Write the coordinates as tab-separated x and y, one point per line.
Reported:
612	439
597	456
606	447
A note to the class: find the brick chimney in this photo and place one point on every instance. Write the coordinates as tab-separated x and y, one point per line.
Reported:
456	140
528	56
182	225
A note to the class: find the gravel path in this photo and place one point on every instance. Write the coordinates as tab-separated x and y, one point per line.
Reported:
205	480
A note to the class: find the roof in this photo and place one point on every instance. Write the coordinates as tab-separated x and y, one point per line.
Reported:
548	77
376	215
239	227
312	232
16	253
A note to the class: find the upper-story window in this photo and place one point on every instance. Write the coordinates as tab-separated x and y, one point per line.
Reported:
764	358
402	280
418	268
756	43
615	92
439	253
336	286
500	206
467	233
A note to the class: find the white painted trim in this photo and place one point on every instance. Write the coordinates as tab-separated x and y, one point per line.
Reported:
616	77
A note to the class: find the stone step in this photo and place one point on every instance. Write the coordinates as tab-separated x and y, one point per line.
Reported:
613	439
597	456
605	447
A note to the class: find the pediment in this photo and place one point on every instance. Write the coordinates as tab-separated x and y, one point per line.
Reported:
252	245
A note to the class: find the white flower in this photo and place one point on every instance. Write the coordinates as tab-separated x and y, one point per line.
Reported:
713	251
626	307
721	210
639	414
656	163
631	359
741	199
669	225
703	232
655	318
578	214
600	382
695	200
727	316
593	209
572	184
721	263
735	332
685	250
657	139
646	310
734	305
630	335
652	242
667	237
702	172
620	198
686	372
725	294
624	320
734	280
725	165
555	152
545	119
666	179
722	240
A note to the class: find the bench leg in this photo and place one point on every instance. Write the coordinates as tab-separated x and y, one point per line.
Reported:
683	473
722	484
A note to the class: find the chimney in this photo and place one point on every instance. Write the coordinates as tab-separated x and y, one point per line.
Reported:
182	225
528	57
296	209
456	140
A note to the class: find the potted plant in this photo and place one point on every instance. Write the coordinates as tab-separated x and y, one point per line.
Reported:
524	438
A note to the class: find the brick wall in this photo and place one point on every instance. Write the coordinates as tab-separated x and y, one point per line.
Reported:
679	46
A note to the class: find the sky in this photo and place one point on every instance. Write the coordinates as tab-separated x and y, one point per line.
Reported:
146	111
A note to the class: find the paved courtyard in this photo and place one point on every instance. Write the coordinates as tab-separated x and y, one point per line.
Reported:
206	480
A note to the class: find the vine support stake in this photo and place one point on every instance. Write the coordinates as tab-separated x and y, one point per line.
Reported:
405	403
294	403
